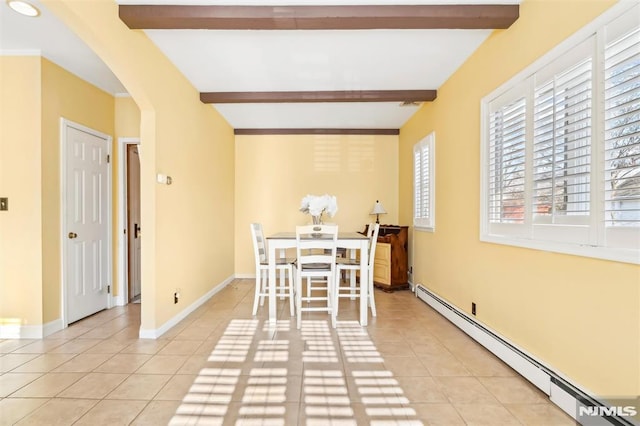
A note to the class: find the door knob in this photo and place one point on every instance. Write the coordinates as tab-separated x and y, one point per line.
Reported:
73	235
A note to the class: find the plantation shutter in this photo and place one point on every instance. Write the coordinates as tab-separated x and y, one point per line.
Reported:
562	145
507	162
423	202
622	131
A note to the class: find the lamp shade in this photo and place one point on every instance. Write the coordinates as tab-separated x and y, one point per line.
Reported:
378	208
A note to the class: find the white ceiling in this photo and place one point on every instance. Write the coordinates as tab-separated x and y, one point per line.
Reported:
263	61
47	36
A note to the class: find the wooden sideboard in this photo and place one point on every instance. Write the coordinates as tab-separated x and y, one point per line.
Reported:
391	260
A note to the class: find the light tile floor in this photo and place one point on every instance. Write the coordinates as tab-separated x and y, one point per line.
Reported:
221	366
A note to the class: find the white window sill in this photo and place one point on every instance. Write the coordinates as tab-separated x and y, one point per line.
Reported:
613	254
422	228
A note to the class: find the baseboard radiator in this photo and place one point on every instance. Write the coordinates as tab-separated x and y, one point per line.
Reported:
574	401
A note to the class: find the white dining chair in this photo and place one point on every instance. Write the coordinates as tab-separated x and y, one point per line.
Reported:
315	259
346	264
315	285
284	268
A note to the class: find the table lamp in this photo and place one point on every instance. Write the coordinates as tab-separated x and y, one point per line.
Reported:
378	210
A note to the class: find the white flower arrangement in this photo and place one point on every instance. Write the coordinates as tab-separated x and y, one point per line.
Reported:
315	205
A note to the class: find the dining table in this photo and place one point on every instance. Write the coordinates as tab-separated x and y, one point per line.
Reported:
352	241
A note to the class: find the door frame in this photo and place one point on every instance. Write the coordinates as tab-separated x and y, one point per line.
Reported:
64	125
122	226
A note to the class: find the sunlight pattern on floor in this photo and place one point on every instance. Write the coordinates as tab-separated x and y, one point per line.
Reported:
317	338
208	399
381	394
234	345
257	393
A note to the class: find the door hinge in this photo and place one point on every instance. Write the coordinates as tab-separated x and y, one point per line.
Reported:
108	289
108	158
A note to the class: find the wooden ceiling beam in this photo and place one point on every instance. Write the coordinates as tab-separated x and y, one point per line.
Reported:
446	16
322	131
318	96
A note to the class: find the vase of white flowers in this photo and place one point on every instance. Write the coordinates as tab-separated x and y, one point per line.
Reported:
316	205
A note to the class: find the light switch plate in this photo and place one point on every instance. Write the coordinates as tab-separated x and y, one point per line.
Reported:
4	203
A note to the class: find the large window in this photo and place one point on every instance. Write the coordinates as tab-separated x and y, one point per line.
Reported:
424	184
561	147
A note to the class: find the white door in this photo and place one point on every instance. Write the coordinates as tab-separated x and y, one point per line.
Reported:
86	219
133	221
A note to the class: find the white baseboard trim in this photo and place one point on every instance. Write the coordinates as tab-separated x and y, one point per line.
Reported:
52	327
9	331
588	411
564	400
118	300
156	333
17	331
561	391
246	276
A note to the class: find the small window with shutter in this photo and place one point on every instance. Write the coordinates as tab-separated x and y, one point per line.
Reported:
507	163
562	140
622	131
424	183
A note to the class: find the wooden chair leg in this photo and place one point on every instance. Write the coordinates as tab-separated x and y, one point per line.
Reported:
332	299
256	296
281	287
372	298
291	292
298	302
263	288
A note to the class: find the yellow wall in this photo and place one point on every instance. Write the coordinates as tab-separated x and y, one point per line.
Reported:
127	116
36	94
20	181
63	95
186	240
578	315
273	173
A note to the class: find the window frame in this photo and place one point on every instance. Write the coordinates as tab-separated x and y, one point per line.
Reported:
592	238
428	222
